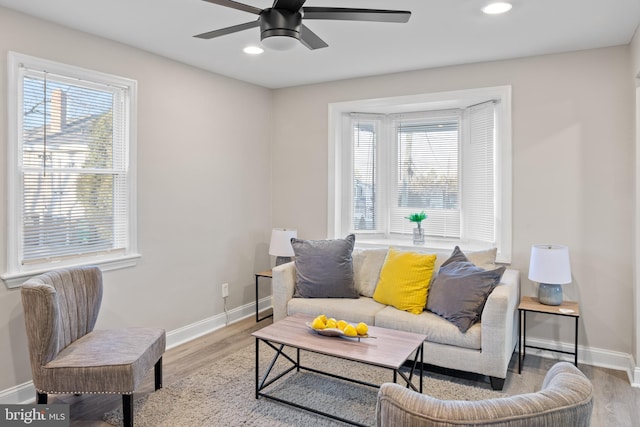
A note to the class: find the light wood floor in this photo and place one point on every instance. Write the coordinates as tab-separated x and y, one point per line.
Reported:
616	403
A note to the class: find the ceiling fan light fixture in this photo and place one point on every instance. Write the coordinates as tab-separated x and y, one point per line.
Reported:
280	42
280	29
497	8
281	26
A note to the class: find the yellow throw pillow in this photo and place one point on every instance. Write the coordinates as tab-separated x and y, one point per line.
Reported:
404	280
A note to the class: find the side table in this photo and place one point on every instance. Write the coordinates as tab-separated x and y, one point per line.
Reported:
269	275
527	304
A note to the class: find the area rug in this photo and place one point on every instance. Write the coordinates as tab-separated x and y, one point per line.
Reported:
224	394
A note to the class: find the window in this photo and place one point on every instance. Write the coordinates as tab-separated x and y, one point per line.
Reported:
71	175
447	154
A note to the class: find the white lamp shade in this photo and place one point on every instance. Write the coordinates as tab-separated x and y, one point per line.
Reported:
281	242
550	264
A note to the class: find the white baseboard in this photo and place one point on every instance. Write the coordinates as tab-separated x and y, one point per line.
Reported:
589	356
20	394
195	330
635	378
25	393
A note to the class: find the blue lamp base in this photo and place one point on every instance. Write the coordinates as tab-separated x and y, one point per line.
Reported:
283	260
550	294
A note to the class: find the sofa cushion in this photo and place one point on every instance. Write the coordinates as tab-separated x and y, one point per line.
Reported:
93	364
404	280
324	268
460	290
484	259
352	310
367	264
437	329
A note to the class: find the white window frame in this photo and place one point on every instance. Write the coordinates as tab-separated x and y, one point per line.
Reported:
16	272
338	169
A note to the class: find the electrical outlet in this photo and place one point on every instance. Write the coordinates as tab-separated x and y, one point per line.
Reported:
225	290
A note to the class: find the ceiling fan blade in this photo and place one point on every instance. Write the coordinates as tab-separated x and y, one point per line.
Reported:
228	30
311	39
348	14
236	5
292	5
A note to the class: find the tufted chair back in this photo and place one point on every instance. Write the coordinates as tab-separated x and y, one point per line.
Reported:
60	307
565	399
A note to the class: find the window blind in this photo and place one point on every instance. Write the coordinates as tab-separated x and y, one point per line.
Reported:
365	171
74	167
440	162
427	170
479	174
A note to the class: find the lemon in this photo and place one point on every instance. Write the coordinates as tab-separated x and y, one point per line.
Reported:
323	319
331	323
362	328
350	331
317	323
341	324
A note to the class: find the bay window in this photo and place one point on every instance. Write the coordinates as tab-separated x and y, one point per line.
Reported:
445	154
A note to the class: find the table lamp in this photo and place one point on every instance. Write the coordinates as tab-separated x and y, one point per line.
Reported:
280	245
550	267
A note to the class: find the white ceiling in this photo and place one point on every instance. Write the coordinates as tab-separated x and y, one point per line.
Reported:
439	33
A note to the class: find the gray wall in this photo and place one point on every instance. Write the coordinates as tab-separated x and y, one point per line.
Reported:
635	56
635	76
573	170
203	187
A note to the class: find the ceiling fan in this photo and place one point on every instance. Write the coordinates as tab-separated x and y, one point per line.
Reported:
281	25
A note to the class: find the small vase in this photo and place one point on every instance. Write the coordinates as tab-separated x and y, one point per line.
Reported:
418	236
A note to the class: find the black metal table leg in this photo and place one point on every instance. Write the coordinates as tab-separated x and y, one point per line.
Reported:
257	365
257	317
421	365
575	348
266	274
521	338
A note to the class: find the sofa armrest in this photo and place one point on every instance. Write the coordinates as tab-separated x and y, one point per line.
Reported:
283	284
499	321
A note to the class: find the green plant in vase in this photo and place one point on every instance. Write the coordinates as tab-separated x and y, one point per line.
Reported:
418	232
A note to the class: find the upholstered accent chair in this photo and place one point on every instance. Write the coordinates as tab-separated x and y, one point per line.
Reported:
68	356
566	399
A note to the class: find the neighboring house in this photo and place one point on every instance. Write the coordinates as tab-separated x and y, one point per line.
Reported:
55	144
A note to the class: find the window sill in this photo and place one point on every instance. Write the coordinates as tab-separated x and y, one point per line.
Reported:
15	280
429	245
408	244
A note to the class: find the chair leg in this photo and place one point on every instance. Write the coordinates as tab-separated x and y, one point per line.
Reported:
41	398
158	374
127	410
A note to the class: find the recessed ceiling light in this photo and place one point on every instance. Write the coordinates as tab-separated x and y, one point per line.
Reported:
497	8
253	50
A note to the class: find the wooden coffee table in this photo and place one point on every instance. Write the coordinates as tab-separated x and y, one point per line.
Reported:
389	349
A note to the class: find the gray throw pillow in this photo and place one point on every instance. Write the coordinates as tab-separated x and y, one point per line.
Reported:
324	268
461	289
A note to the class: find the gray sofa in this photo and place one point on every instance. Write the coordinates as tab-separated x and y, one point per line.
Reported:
486	348
566	399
